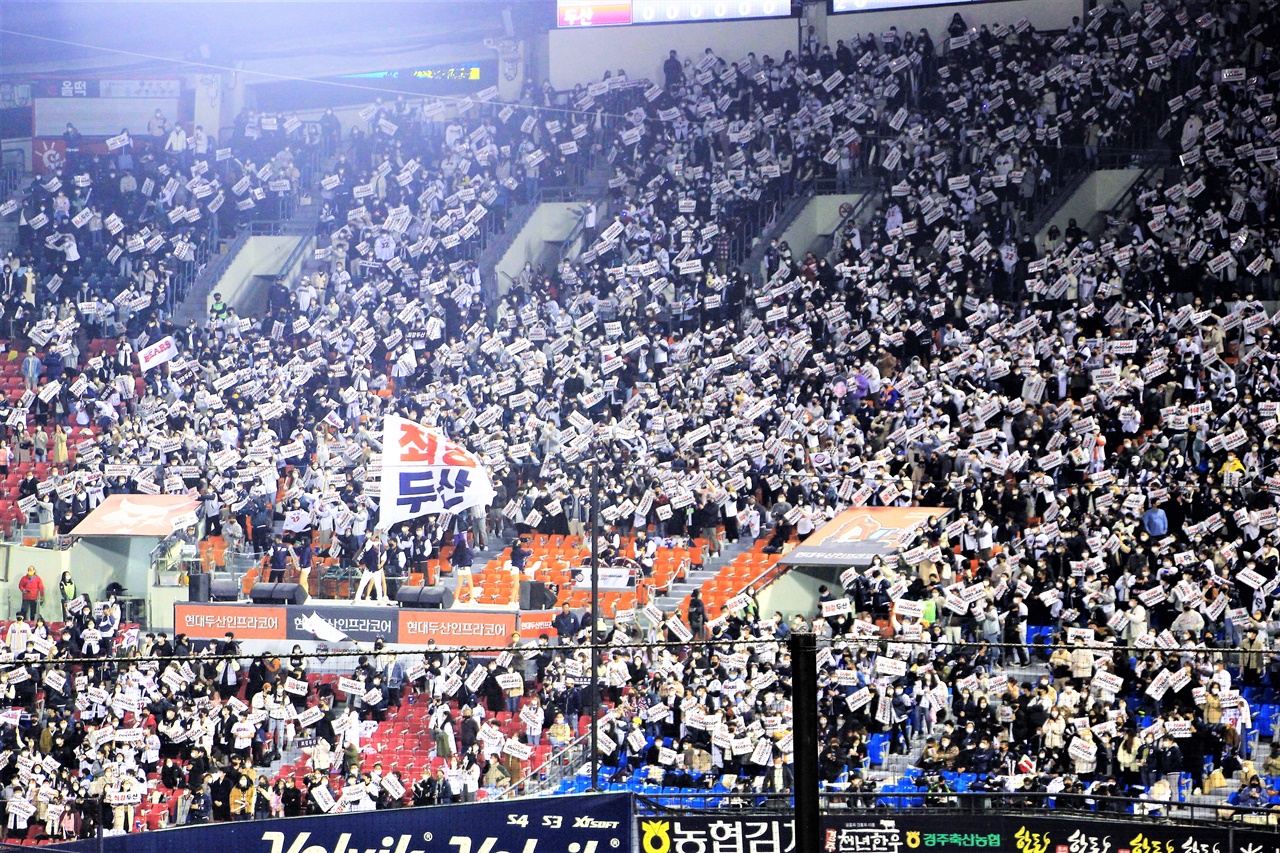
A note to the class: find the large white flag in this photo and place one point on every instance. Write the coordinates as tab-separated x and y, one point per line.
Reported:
157	354
423	472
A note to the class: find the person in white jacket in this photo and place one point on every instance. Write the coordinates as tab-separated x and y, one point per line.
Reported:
1137	626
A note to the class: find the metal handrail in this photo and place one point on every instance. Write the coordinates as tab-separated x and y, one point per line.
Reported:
566	245
1130	196
753	262
304	243
853	216
220	267
548	775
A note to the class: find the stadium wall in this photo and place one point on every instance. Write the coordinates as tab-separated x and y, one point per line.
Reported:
580	824
581	55
49	565
260	256
796	591
98	561
820	218
1041	14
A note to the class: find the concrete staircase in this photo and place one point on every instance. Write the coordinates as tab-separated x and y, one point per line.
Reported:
1047	210
675	595
195	305
492	253
895	765
594	186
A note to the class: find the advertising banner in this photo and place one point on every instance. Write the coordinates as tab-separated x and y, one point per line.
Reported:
213	621
362	624
921	831
450	628
856	535
535	622
581	824
335	623
602	823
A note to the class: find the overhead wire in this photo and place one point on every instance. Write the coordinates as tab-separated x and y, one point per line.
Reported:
837	644
211	66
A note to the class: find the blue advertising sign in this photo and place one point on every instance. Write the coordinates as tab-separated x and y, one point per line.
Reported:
586	823
361	624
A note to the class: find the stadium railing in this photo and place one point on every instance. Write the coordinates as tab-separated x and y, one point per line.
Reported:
560	770
12	169
1082	806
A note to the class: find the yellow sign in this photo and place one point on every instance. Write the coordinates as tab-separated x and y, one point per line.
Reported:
657	836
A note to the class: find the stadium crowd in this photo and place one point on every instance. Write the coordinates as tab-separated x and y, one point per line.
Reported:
1091	409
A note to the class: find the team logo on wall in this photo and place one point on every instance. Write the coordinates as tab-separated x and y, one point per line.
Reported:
657	836
49	155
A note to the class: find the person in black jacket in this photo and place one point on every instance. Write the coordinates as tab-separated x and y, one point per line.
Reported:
494	696
672	72
220	787
291	798
778	777
324	727
697	613
566	624
198	768
705	520
318	780
468	731
1169	759
426	790
171	775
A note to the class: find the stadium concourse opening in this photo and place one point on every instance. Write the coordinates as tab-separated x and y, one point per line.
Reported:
794	424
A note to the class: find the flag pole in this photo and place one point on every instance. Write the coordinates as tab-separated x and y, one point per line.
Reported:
595	617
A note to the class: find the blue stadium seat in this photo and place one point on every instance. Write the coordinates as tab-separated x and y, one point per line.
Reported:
1184	787
875	748
1265	720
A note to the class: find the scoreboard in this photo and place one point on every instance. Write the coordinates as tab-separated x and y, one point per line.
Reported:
611	13
837	7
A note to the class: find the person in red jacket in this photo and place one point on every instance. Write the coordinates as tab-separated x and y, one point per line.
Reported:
32	588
